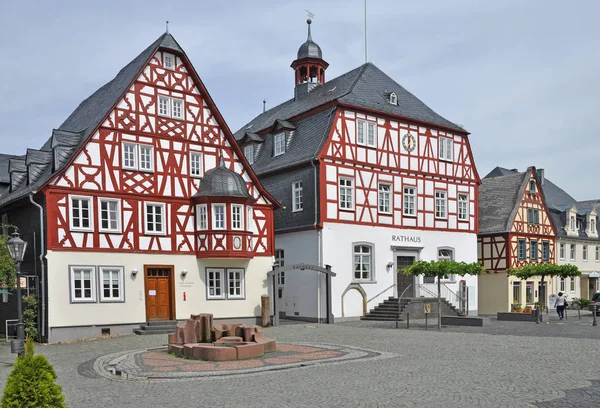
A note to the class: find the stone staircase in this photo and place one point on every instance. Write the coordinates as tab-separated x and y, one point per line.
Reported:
388	310
157	327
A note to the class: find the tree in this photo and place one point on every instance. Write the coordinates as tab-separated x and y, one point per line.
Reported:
542	270
31	383
7	267
439	269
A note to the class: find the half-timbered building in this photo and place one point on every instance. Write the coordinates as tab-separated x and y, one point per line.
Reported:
371	179
141	207
515	229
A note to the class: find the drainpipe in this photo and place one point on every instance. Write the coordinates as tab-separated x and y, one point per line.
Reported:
43	270
319	240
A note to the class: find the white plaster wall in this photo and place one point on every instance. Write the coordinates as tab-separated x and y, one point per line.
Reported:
586	267
337	252
300	287
62	313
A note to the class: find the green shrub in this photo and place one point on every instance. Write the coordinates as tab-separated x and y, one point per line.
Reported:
31	383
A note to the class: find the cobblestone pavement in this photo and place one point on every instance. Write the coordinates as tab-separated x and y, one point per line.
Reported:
505	364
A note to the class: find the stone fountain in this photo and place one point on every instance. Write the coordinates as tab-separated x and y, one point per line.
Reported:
200	338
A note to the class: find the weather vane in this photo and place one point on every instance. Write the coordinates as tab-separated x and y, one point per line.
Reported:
309	14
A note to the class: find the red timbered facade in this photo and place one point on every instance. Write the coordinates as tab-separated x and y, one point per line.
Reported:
371	180
151	210
516	230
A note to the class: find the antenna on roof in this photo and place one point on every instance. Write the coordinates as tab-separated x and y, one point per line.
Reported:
366	55
167	26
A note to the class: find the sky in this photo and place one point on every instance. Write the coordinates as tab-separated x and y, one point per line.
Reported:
521	76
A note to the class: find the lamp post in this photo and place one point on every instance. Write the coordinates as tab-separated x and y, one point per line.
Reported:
16	248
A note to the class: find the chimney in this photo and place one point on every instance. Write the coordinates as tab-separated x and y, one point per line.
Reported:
540	175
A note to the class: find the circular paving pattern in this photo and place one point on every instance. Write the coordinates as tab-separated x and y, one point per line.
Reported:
158	364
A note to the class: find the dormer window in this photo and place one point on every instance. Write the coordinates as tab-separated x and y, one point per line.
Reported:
572	223
168	61
593	225
532	186
279	144
249	153
394	98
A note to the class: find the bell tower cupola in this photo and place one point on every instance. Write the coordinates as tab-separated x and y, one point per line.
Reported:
309	66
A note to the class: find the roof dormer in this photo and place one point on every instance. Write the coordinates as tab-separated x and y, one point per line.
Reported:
591	225
571	225
394	98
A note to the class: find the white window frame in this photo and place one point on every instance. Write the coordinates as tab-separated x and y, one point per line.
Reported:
360	132
561	251
572	284
585	253
446	148
119	270
441	205
593	225
394	98
163	224
249	153
384	196
371	126
297	196
221	286
572	253
240	221
135	156
165	65
279	141
101	214
242	283
532	187
450	257
181	115
562	285
202	216
93	291
344	204
145	167
361	254
90	226
214	217
463	207
168	105
249	218
598	254
407	210
196	157
573	224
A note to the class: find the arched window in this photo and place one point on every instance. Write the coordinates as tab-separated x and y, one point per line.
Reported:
394	98
314	72
363	261
444	254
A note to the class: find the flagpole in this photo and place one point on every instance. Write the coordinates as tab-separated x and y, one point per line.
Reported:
366	55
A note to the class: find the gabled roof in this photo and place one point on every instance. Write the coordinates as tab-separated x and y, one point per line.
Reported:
85	119
366	86
499	199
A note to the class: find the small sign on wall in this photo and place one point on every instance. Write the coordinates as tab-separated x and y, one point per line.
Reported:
427	307
151	292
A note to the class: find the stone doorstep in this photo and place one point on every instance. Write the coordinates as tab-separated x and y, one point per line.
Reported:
249	350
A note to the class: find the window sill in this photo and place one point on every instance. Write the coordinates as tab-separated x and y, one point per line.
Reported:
84	301
364	281
196	176
447	160
105	231
442	218
410	215
300	210
346	209
216	298
112	301
163	234
74	229
384	213
460	220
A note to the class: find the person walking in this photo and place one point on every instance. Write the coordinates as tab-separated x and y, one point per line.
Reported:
561	303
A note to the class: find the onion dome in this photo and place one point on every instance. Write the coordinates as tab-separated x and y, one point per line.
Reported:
222	182
309	49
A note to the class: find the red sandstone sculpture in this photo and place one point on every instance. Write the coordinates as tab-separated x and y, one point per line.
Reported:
199	338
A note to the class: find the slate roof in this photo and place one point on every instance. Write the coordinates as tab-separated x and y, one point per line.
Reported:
499	197
222	182
75	130
366	86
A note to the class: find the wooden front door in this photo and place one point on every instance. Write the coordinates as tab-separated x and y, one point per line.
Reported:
404	281
159	292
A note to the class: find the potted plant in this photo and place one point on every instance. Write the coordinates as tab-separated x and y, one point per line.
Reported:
528	309
517	307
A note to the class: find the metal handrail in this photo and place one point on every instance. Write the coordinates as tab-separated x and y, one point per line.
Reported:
381	293
422	286
403	292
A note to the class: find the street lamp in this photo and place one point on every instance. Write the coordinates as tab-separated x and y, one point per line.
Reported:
16	248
